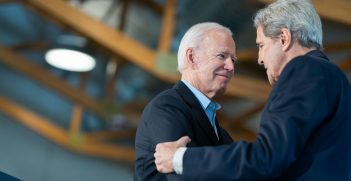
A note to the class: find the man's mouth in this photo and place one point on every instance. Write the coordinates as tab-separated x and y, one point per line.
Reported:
225	75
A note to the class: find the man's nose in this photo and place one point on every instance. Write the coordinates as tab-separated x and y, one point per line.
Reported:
260	61
229	65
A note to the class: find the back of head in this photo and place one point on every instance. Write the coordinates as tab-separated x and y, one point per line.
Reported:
193	38
299	16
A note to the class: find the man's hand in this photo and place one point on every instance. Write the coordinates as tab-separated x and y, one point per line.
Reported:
165	152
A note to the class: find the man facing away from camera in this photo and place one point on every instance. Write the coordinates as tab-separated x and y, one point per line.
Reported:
304	131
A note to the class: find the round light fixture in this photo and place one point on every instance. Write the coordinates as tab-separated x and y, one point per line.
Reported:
70	55
70	60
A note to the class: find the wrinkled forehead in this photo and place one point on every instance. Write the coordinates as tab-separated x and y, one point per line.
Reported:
222	48
219	38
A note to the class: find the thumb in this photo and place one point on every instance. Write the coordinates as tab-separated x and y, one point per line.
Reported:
183	141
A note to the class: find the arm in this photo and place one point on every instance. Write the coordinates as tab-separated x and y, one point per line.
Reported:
163	120
296	107
165	152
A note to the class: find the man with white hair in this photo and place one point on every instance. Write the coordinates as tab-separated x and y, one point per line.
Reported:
206	58
304	131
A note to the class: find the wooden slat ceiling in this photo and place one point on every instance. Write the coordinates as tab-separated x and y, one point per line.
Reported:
26	67
120	44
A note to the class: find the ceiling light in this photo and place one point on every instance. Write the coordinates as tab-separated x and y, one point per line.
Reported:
69	54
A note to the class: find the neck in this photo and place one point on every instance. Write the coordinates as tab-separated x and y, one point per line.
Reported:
298	50
191	78
295	51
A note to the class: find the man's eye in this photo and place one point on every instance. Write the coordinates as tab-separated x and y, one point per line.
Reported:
221	56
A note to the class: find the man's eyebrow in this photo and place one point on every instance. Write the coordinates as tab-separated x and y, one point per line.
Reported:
227	53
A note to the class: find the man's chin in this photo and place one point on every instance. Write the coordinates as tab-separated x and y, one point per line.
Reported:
222	91
272	82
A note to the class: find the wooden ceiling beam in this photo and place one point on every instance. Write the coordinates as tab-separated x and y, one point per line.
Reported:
336	10
109	38
33	121
167	26
49	130
336	47
111	135
247	55
345	65
40	45
9	1
34	71
249	88
119	44
158	9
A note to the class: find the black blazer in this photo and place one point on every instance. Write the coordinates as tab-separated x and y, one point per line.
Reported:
173	113
304	134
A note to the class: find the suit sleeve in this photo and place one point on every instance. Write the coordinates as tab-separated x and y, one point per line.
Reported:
162	121
296	107
167	119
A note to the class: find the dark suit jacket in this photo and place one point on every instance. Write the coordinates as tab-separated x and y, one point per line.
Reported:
304	134
170	115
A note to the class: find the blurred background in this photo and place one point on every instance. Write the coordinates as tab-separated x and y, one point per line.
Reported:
64	124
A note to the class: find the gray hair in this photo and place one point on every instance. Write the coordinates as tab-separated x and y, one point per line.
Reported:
193	38
299	16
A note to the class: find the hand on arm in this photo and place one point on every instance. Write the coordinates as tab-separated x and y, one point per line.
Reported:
165	152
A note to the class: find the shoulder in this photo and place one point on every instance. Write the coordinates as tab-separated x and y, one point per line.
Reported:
313	64
180	95
302	73
309	66
165	101
167	96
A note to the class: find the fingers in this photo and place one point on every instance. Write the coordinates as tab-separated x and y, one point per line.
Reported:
163	161
164	153
183	141
160	146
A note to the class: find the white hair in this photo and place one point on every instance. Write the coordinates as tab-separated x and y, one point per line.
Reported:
299	16
193	38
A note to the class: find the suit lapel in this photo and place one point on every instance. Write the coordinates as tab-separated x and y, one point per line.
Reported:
220	133
197	111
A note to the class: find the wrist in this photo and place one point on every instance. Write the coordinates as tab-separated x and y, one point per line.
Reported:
177	161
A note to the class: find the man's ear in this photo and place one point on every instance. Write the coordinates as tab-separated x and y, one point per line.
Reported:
190	58
286	39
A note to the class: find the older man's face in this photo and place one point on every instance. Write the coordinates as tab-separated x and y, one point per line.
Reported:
215	63
270	55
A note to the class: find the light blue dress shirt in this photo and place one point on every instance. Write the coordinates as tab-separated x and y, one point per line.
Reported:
206	104
177	161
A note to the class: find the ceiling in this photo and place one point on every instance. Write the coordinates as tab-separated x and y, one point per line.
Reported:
96	113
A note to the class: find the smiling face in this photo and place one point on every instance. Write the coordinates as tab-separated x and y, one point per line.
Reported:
213	63
270	55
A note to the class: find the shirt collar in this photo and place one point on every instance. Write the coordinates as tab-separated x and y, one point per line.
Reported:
204	101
